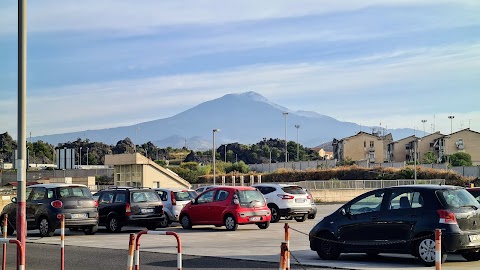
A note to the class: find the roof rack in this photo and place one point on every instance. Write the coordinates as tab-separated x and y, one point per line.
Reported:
123	187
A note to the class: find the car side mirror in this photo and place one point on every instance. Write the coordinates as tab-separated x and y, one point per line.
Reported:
14	199
193	201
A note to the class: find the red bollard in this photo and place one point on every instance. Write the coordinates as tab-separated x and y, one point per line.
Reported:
5	224
131	249
287	240
283	256
438	249
62	241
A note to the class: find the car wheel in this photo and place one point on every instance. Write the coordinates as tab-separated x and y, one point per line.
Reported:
275	214
425	250
45	228
301	218
327	248
471	256
113	225
186	222
312	216
230	223
10	229
165	222
263	225
151	226
90	230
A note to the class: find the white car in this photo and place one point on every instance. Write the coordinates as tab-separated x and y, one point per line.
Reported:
205	188
286	200
173	202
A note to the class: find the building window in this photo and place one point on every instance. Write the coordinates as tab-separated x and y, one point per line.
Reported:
372	144
364	144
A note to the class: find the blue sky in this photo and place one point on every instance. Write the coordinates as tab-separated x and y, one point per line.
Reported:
100	64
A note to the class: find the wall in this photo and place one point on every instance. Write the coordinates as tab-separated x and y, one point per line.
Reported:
336	195
471	142
303	165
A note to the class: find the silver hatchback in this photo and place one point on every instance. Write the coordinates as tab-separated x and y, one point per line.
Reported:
173	202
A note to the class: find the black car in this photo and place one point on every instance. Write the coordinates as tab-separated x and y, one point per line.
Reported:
45	201
123	206
402	219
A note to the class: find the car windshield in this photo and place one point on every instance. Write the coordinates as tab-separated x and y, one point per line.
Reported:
144	196
65	192
293	190
251	196
455	198
185	195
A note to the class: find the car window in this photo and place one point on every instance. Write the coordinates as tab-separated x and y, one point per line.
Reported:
186	195
206	197
247	197
455	198
50	193
74	192
106	197
120	198
145	196
221	195
39	194
370	203
293	190
405	200
475	194
163	194
27	193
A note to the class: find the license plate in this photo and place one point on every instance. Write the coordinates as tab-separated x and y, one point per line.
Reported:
147	210
79	215
474	238
300	200
254	218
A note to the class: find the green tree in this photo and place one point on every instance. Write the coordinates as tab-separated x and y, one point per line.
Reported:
240	167
429	158
461	159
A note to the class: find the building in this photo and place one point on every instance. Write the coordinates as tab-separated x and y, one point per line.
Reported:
324	155
465	140
402	150
427	144
136	170
362	146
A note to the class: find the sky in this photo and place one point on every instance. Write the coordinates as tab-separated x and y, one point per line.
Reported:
101	64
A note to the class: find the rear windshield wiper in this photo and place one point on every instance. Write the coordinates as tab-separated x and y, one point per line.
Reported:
471	206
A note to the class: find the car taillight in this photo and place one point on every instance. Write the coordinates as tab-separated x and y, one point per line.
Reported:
174	202
285	196
128	211
96	203
57	204
447	217
309	197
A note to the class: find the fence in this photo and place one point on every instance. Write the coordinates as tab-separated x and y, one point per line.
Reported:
364	184
11	176
301	165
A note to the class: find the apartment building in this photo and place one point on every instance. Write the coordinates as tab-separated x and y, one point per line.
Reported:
362	146
427	144
465	140
402	150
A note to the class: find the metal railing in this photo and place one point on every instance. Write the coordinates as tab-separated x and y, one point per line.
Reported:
365	184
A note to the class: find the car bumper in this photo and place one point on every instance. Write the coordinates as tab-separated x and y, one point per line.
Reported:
141	220
253	217
76	223
457	242
296	211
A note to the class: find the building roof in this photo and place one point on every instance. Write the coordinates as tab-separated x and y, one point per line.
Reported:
413	137
462	130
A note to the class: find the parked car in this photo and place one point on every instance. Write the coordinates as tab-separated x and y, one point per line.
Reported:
402	219
125	206
286	201
313	213
204	188
475	192
45	201
227	206
173	202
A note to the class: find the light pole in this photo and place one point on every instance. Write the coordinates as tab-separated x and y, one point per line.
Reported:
80	159
87	156
451	123
415	145
298	146
213	153
424	121
225	153
286	157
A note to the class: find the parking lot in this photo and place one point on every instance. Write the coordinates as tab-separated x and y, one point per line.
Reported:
248	242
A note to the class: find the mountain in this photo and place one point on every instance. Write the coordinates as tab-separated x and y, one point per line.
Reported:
245	118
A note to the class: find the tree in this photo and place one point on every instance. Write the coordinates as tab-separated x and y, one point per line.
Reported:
461	159
429	158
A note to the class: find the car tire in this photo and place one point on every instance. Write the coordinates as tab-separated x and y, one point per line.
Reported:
230	223
113	225
301	218
90	230
10	229
327	248
425	251
186	222
312	216
471	256
165	222
263	225
275	213
46	229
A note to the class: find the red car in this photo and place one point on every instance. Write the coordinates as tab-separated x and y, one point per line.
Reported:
475	191
227	206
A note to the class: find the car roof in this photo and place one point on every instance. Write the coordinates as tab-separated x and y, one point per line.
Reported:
174	189
234	188
474	188
55	185
276	185
427	187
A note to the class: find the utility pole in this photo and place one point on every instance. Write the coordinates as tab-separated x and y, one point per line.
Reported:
286	155
298	146
451	123
424	121
213	153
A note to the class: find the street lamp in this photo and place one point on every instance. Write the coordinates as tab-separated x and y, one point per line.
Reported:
80	161
225	153
286	157
451	123
298	146
87	156
415	145
213	153
424	121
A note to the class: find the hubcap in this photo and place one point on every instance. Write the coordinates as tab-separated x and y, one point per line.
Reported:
113	224
229	222
274	213
44	226
426	250
185	221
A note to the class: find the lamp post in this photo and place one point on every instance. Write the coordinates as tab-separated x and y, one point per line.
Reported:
415	145
286	157
225	153
87	156
80	159
298	146
213	153
424	121
451	123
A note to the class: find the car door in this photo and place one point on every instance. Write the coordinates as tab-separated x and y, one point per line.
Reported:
35	206
219	205
199	211
105	202
361	225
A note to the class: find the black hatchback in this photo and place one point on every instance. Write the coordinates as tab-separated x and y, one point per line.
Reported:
45	201
125	206
402	219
